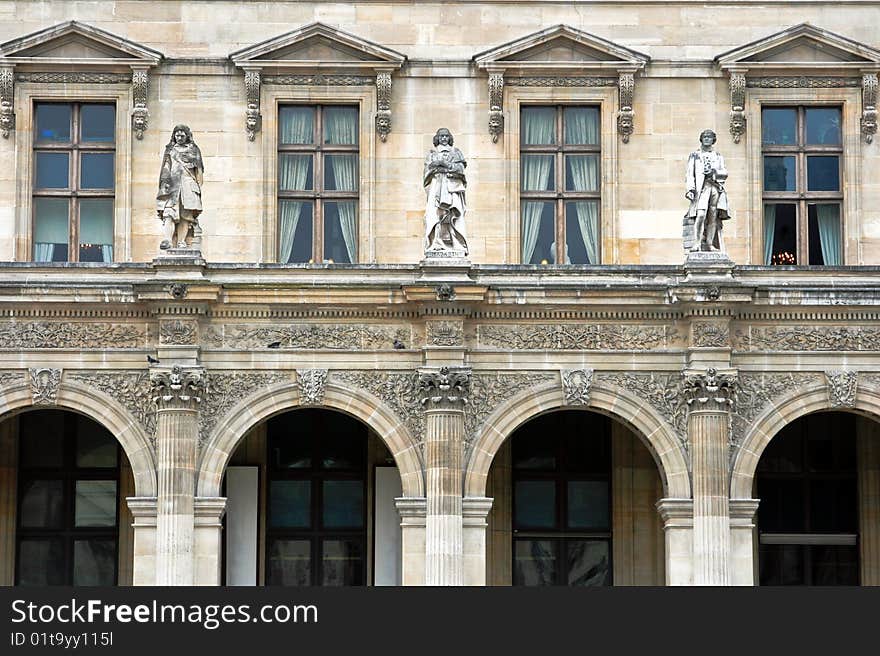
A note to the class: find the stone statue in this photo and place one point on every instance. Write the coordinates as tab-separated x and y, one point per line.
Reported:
705	177
445	183
179	201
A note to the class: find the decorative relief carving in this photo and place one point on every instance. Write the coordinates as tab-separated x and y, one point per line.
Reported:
319	79
614	337
44	385
253	118
711	390
178	332
809	338
549	81
312	384
131	388
869	106
625	117
7	101
140	115
496	105
445	292
576	384
82	77
444	333
802	82
662	391
842	387
383	98
224	389
445	388
710	335
310	336
8	378
737	106
179	388
59	334
177	290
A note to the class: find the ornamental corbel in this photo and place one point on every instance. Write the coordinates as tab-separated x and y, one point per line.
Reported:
140	115
625	117
383	97
7	107
869	106
496	105
253	118
737	105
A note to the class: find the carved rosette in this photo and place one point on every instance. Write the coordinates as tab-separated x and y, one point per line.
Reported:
625	117
7	106
312	385
869	106
710	390
842	387
576	384
383	98
444	389
178	333
496	105
177	389
737	106
44	385
140	115
253	118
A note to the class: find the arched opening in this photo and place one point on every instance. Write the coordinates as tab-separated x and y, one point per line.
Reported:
66	521
575	494
311	502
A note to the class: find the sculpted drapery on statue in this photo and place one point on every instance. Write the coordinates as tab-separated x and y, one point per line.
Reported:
445	183
179	201
705	177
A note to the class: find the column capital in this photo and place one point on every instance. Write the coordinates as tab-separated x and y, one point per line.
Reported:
412	510
178	388
676	512
474	510
446	388
709	390
742	512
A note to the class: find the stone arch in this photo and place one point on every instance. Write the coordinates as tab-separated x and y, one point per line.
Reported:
609	400
106	411
808	400
282	397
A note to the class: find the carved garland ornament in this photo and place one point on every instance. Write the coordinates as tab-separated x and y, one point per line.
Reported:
131	389
550	81
625	117
7	97
178	389
60	334
444	333
383	98
576	384
44	385
8	378
224	389
177	332
801	82
710	335
614	337
309	336
496	105
737	105
809	338
312	385
253	118
842	387
140	115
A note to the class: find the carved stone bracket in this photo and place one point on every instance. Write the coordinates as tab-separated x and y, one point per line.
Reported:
446	388
869	106
383	98
140	115
312	384
737	105
44	385
625	117
7	96
445	292
496	105
177	389
576	384
253	118
842	386
710	390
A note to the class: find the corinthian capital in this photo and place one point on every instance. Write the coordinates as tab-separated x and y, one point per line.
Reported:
710	390
178	388
444	388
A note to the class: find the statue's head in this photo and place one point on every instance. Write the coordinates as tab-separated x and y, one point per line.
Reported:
443	132
708	137
181	135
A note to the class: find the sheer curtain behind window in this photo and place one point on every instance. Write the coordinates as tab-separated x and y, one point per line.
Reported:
828	217
51	227
769	232
340	127
588	222
297	126
538	128
583	127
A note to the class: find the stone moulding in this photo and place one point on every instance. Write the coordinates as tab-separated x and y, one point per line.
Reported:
309	336
223	390
611	337
808	338
562	81
60	334
10	378
44	385
130	388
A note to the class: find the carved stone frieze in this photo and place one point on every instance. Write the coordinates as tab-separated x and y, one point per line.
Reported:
576	384
802	82
842	387
737	106
444	333
8	378
72	77
662	391
444	388
319	79
625	117
707	334
869	106
177	290
709	390
312	384
309	336
178	332
808	338
224	389
65	334
606	336
496	105
383	99
560	81
131	389
253	118
7	101
140	115
177	388
445	292
44	385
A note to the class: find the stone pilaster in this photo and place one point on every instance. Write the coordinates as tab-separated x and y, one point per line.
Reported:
8	495
443	394
868	458
474	513
678	529
143	511
177	394
208	540
412	537
709	397
743	540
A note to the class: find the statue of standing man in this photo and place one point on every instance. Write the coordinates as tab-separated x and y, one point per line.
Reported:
179	201
445	183
705	177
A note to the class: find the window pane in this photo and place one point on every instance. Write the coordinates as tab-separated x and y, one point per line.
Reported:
834	506
295	231
342	442
296	125
587	448
589	562
823	173
290	453
289	562
535	562
50	229
41	562
290	504
783	454
823	126
538	173
538	234
42	504
533	451
97	123
95	446
96	230
53	122
782	505
780	233
538	126
779	174
53	170
824	234
582	232
342	563
581	125
95	503
582	173
295	173
340	126
96	171
782	564
343	504
535	503
778	126
94	562
340	231
341	173
834	565
588	505
41	438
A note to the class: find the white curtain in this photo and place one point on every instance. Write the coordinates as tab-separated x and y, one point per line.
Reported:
829	232
584	172
43	252
531	214
289	213
293	171
340	125
769	232
347	218
588	221
96	225
538	128
581	125
51	216
297	125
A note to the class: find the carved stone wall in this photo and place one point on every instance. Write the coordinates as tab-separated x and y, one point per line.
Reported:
44	385
662	391
808	338
224	389
607	337
130	388
308	336
64	334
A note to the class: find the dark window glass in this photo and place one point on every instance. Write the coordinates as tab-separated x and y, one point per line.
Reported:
779	126
53	170
535	504
53	122
343	504
589	562
588	505
535	562
289	562
780	174
342	562
96	171
41	562
290	503
42	504
823	125
94	562
98	123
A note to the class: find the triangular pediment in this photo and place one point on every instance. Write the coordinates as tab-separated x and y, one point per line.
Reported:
801	46
317	44
74	42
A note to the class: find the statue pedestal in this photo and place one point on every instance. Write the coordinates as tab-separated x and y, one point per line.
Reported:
707	266
445	265
176	261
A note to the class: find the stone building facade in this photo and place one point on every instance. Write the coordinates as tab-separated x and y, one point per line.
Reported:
306	398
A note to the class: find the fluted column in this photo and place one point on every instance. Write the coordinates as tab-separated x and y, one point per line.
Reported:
177	394
444	394
709	397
